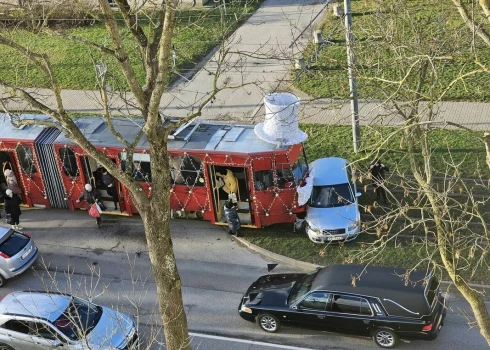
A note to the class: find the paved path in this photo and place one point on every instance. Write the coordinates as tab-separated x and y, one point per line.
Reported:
279	28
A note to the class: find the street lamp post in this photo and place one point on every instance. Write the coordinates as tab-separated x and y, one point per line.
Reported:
349	38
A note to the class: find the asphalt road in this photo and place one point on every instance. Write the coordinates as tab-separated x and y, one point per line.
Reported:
112	266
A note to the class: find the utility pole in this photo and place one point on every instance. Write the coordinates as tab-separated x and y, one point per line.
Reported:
354	105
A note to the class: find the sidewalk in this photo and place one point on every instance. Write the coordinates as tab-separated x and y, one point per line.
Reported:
279	28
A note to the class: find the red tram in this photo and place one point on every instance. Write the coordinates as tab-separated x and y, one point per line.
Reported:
210	161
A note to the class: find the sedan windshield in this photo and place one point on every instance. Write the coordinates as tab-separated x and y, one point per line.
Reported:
301	287
78	319
331	196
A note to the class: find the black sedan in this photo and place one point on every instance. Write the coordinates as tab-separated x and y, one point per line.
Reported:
383	303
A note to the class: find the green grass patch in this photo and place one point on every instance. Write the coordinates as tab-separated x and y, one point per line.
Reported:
390	38
196	33
448	147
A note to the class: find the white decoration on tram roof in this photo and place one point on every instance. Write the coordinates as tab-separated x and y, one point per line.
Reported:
281	120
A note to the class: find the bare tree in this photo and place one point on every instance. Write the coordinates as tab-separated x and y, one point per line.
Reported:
152	29
435	204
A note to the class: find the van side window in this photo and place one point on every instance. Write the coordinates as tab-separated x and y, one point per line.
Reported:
347	304
316	301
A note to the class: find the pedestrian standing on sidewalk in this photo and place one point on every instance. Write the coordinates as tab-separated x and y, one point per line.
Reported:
92	196
12	207
108	180
378	171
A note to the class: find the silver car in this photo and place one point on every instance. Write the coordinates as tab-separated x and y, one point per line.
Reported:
17	253
42	320
333	214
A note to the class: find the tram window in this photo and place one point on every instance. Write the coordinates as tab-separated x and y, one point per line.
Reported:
69	162
300	168
263	180
26	160
285	177
186	170
141	167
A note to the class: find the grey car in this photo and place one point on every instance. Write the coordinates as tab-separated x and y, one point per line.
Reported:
42	320
17	253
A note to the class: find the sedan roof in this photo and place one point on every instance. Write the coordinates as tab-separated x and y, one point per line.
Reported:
35	304
385	283
330	171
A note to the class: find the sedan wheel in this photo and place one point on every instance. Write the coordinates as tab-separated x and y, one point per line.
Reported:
5	347
385	338
269	323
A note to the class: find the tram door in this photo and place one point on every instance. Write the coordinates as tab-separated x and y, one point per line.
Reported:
230	182
92	173
7	161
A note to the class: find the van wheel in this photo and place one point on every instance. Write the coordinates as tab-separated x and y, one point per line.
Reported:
385	338
268	323
3	282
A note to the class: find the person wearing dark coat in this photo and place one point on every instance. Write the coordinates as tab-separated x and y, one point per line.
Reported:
232	218
12	204
91	195
378	171
108	180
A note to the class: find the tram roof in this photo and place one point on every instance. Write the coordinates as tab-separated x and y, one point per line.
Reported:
207	136
24	133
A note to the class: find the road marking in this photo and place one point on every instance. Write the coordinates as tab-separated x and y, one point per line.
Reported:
252	342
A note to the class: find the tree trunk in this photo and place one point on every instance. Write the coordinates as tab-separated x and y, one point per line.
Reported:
156	219
167	278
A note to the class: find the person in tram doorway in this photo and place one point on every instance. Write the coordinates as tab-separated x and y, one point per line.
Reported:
108	180
12	207
232	218
12	183
92	196
378	171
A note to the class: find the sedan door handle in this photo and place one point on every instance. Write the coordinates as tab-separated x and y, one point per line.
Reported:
321	317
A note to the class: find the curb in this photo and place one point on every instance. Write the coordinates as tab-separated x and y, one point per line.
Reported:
308	266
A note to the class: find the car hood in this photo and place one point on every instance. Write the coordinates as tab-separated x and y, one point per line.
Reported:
272	290
332	218
112	330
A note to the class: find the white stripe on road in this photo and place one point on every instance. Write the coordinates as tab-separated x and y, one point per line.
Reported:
251	342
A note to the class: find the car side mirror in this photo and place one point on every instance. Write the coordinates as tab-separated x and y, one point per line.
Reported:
358	194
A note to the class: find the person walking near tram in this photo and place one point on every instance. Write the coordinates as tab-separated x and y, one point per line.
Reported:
12	183
12	204
108	180
92	196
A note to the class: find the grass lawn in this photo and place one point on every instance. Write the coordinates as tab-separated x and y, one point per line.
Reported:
388	40
334	141
197	32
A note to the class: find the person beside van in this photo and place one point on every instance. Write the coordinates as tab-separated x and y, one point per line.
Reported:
378	171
